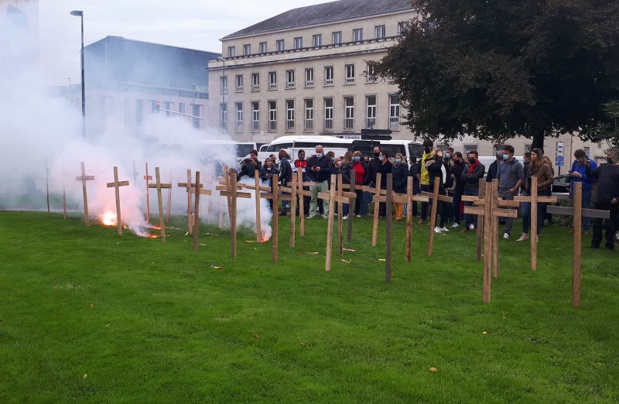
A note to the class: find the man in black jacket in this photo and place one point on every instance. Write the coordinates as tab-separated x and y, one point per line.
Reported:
318	170
606	197
471	174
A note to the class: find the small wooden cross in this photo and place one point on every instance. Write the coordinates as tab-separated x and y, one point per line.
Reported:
435	198
189	188
534	199
578	213
85	178
232	193
159	186
332	197
116	185
197	190
147	178
257	188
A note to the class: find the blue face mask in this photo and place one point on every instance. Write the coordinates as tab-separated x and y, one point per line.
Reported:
447	155
356	159
505	156
398	161
381	158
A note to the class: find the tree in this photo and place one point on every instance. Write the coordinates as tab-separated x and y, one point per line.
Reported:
496	69
608	131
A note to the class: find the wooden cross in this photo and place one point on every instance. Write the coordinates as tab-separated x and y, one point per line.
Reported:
292	191
159	186
257	188
275	196
410	199
332	197
351	196
116	185
231	192
578	213
488	210
135	173
301	192
197	190
435	198
85	178
352	187
189	188
375	198
147	178
534	199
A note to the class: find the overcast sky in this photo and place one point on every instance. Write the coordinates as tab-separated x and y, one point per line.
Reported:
196	24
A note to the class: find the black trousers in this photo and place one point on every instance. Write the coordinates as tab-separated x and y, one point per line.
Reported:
606	224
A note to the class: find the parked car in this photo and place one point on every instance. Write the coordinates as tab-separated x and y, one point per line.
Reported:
561	184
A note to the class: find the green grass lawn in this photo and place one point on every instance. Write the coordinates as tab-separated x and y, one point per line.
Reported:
88	316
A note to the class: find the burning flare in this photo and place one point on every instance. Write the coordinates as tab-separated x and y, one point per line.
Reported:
108	218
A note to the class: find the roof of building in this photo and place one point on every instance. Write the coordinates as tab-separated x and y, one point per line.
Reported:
323	14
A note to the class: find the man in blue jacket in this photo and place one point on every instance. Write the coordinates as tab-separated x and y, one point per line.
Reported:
578	173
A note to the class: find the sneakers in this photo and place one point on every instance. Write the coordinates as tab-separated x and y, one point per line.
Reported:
471	226
453	226
311	217
506	236
437	229
344	217
523	237
325	217
358	216
444	229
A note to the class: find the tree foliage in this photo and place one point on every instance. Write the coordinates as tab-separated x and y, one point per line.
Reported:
495	69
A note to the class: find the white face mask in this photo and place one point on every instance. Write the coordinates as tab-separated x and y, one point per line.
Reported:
398	161
319	155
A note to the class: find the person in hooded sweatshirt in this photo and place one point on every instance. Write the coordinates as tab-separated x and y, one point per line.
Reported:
436	168
510	174
400	178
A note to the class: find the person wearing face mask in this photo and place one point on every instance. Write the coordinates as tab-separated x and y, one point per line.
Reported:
400	178
373	166
360	174
493	167
436	168
471	174
384	169
578	173
456	172
606	197
318	169
299	166
449	153
510	174
428	154
536	168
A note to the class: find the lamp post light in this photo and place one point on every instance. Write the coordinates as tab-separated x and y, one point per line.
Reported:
79	13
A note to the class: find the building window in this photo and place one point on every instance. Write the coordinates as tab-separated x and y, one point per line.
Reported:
357	34
181	107
370	73
289	114
469	148
263	47
231	51
317	40
223	114
371	111
255	116
337	38
308	123
238	106
380	32
289	78
349	113
394	111
196	111
238	82
328	113
350	74
527	148
139	112
329	75
224	84
309	77
403	26
272	116
169	106
247	49
298	42
255	81
279	45
272	80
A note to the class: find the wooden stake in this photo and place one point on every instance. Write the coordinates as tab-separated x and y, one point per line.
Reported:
487	276
340	219
330	223
257	196
197	190
293	209
389	228
147	178
495	229
230	190
159	186
351	210
188	187
437	183
135	174
116	185
376	210
480	221
85	178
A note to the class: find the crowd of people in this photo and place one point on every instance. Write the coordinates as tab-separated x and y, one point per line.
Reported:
459	175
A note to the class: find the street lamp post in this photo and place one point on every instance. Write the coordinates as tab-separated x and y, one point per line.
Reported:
79	13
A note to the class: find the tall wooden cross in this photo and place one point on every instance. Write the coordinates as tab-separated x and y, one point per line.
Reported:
534	199
410	199
303	189
85	178
332	197
578	213
275	196
292	191
351	196
352	187
116	185
159	186
435	198
188	187
488	208
197	190
147	178
375	198
257	189
231	192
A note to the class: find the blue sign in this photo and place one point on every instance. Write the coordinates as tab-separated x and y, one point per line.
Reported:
559	163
